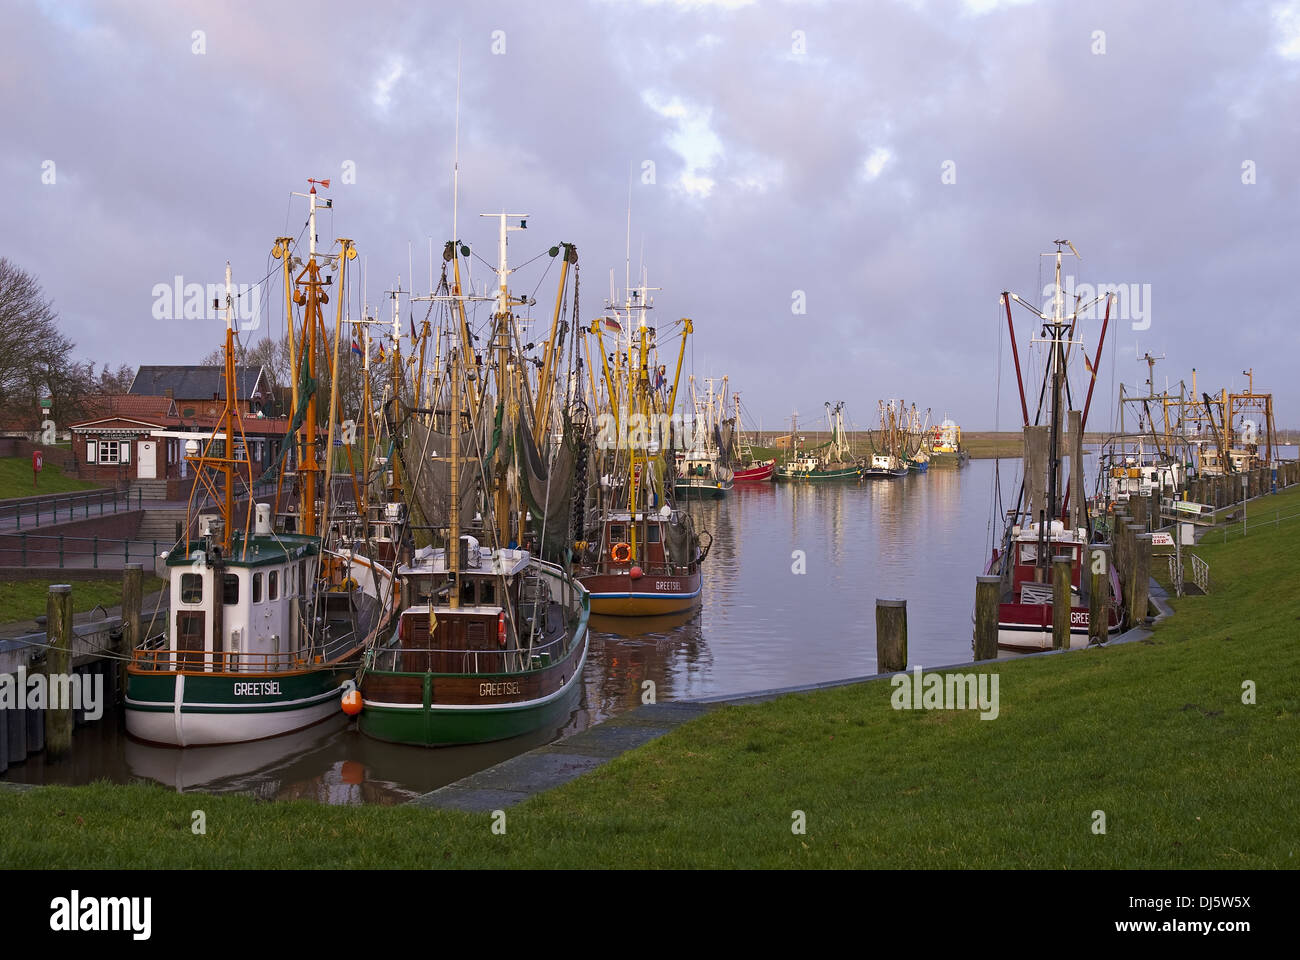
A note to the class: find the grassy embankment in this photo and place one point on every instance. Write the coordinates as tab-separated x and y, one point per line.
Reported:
16	479
1154	734
26	599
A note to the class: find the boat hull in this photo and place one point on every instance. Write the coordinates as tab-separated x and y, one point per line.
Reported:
199	709
759	474
618	595
818	476
872	473
440	710
949	460
1027	627
702	489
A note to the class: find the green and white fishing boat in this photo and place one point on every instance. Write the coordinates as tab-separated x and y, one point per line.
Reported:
266	626
834	460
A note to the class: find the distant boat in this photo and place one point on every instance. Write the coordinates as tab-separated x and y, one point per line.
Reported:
889	462
747	468
833	460
945	446
703	470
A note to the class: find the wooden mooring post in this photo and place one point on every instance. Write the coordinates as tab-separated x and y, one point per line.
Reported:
1061	602
58	663
988	596
1130	570
891	635
1099	593
1141	579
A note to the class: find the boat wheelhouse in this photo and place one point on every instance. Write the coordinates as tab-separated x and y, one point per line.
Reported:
885	466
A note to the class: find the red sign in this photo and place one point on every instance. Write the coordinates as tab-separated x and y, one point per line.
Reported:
38	461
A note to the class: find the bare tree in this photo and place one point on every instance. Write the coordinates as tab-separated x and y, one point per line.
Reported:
35	358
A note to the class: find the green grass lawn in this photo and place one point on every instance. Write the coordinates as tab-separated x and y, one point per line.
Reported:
1153	734
26	599
16	479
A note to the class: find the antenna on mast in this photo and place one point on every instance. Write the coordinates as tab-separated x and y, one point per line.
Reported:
455	167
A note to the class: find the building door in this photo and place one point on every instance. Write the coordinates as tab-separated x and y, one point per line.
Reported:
148	460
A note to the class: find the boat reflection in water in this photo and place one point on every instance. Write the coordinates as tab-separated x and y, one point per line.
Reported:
668	651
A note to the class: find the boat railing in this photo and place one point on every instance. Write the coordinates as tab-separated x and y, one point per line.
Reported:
164	660
389	659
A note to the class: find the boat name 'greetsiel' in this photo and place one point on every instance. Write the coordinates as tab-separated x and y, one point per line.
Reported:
506	688
259	688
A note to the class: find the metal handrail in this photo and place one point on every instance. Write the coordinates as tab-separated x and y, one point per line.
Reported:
200	661
392	653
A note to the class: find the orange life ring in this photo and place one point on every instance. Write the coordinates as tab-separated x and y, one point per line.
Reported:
622	552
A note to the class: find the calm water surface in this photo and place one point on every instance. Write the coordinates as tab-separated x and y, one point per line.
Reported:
760	625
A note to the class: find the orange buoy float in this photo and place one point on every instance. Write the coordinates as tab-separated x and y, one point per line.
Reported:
636	573
352	702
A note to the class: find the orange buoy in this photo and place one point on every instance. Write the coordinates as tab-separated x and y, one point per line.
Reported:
352	702
635	573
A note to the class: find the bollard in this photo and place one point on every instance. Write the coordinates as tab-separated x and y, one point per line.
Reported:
1099	594
1138	507
1130	554
58	630
1061	602
1141	579
132	586
1154	510
891	635
988	596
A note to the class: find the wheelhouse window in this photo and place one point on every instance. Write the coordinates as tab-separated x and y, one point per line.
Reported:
273	585
616	533
230	588
487	594
257	588
191	588
653	533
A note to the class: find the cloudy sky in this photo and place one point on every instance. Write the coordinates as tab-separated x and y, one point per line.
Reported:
889	166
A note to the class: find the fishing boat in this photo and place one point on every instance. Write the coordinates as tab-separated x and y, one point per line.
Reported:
492	640
1046	522
889	461
640	555
833	460
747	467
945	446
916	441
267	626
703	469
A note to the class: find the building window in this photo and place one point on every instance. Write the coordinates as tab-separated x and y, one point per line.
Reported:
257	588
191	588
273	585
110	452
